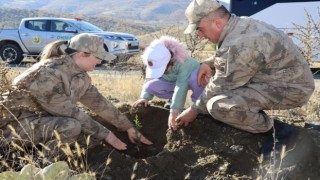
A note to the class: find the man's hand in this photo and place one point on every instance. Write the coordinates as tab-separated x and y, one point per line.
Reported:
172	120
140	101
135	135
204	74
115	142
186	117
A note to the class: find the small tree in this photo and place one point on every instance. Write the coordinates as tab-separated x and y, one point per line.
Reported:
194	43
308	37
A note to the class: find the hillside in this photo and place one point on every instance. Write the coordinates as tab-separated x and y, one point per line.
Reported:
164	11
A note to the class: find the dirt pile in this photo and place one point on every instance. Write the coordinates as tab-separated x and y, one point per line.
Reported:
205	150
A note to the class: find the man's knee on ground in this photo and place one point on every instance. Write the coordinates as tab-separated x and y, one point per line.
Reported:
219	106
234	110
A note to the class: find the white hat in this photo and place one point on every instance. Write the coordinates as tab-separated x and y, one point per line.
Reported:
159	56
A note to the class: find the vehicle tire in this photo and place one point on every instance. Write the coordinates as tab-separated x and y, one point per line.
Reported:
11	53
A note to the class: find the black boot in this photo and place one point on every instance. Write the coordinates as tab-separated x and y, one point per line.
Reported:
283	131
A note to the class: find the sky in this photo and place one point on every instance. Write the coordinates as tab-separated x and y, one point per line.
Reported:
282	15
227	1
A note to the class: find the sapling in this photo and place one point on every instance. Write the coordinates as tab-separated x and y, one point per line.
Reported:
137	127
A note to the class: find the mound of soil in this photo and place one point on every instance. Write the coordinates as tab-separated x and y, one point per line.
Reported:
207	149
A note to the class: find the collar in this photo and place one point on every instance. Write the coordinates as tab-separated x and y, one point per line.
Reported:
228	28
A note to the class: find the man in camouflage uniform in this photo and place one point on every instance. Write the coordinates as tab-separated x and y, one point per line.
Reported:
257	67
44	99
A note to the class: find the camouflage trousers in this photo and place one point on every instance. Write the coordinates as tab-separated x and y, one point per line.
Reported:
32	131
243	109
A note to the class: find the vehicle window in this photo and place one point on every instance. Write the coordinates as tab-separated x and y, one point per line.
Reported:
58	26
37	25
85	26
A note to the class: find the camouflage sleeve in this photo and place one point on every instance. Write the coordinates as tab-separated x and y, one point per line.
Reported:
49	93
210	62
94	100
234	66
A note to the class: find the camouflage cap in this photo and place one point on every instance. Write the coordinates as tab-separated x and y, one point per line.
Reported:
90	43
198	9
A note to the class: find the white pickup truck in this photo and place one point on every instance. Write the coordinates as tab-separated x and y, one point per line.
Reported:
34	33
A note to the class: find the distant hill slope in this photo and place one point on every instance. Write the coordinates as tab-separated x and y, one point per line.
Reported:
10	18
160	11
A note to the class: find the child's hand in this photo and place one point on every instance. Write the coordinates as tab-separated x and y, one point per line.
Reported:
140	101
172	120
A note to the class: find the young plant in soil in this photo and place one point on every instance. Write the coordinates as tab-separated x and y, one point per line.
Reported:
137	127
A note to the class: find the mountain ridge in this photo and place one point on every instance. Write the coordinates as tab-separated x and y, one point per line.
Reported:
151	11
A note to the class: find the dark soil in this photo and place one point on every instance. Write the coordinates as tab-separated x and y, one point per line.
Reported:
207	149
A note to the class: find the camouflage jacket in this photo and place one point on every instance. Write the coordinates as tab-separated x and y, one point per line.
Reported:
55	86
254	54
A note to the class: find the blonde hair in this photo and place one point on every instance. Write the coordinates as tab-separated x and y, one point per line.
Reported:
53	50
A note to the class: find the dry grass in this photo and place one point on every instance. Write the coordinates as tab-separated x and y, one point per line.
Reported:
272	168
125	87
299	116
12	73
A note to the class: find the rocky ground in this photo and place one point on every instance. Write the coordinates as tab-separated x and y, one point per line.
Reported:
207	149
